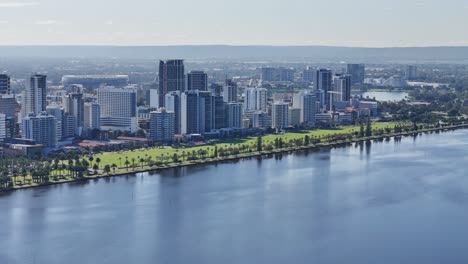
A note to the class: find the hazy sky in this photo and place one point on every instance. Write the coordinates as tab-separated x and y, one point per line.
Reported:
370	23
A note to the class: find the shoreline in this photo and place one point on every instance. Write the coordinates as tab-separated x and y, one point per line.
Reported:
241	156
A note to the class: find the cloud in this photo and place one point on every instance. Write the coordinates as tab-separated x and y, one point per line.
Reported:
46	22
3	22
17	4
109	22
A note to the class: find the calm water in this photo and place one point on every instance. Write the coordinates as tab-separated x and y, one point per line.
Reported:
384	96
387	203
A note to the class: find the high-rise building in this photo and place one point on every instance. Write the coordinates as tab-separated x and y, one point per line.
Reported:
234	115
162	125
357	72
324	84
308	74
57	112
256	99
197	80
9	106
230	91
197	112
207	109
68	126
35	96
92	116
173	105
411	72
307	102
220	112
261	120
118	108
4	84
3	127
153	97
280	115
341	88
294	116
171	78
73	105
268	74
190	113
286	74
41	128
277	74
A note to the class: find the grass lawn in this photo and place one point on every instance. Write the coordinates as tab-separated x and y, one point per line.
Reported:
155	153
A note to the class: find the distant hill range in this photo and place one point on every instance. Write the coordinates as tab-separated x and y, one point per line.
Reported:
284	53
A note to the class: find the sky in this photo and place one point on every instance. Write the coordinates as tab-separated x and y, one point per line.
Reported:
354	23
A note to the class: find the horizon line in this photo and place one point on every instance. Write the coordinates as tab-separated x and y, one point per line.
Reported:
229	45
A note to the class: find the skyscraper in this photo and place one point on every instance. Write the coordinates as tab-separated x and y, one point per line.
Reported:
41	128
9	106
308	74
35	96
256	99
197	80
220	112
324	84
73	105
92	116
197	112
4	84
411	72
190	113
173	105
357	72
307	102
162	125
57	112
234	115
280	115
3	127
342	88
118	108
171	78
230	91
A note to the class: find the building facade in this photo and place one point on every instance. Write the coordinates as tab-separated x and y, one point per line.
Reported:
162	125
197	80
171	78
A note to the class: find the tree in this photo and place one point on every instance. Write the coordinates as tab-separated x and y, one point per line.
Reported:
368	129
215	152
98	160
95	168
113	166
361	130
259	144
107	168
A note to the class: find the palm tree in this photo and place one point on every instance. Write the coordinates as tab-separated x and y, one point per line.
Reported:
126	164
98	160
107	169
113	166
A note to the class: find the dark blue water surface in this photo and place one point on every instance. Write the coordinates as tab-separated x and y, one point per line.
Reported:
390	202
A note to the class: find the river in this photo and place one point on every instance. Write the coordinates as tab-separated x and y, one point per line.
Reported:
388	202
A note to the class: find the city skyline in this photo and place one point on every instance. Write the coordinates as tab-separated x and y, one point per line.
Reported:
355	24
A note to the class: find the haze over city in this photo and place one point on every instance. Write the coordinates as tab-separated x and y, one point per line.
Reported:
361	23
233	131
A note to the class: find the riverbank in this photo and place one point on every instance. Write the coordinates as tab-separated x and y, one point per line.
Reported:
313	147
